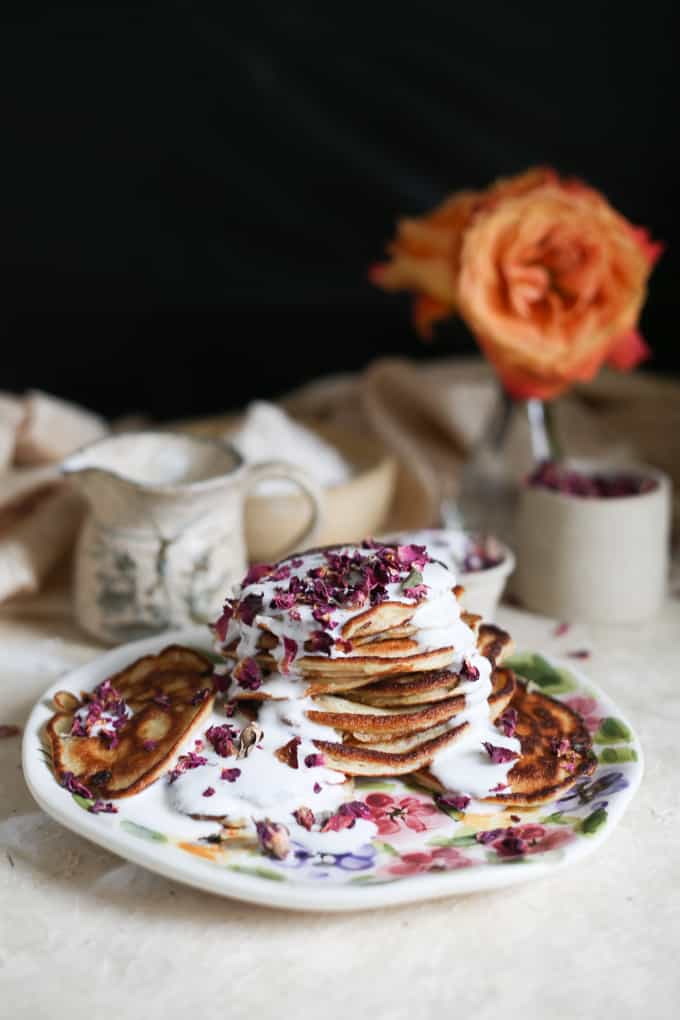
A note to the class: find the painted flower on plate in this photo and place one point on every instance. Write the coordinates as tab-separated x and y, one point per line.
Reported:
587	708
444	858
394	814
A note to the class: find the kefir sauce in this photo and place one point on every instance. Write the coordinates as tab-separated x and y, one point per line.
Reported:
267	787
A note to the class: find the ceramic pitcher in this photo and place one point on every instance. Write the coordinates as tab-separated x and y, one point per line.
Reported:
163	542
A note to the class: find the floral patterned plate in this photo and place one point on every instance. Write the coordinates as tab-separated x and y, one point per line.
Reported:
419	852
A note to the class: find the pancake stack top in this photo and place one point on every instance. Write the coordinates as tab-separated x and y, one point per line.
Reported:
364	664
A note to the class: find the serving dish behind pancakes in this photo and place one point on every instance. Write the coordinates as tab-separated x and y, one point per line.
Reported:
353	509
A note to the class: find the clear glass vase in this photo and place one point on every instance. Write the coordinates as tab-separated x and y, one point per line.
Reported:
518	435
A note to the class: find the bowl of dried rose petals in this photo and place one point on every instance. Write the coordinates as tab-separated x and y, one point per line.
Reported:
481	563
592	541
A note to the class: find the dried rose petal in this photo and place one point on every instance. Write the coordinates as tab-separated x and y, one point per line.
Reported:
319	641
191	760
508	721
345	646
221	626
580	653
248	674
457	801
209	791
273	838
250	607
313	761
468	671
561	629
338	822
230	775
201	695
162	699
499	755
304	816
290	650
559	478
355	809
73	785
317	787
222	739
149	745
412	556
498	788
101	807
488	836
510	845
256	573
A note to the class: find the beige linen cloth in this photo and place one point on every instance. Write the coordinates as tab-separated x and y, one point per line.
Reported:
428	415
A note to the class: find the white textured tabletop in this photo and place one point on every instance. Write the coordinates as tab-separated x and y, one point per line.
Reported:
84	934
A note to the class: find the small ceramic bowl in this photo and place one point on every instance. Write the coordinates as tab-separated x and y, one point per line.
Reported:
594	559
483	586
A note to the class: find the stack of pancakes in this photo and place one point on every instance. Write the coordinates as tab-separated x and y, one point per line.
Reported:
387	682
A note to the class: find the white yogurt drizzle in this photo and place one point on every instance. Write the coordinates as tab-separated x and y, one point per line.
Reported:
270	788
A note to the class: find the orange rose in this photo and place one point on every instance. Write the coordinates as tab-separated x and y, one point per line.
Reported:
547	275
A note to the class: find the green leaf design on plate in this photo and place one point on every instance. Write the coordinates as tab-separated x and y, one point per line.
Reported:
387	848
372	784
559	818
612	755
466	840
612	731
258	872
371	880
594	821
537	670
142	832
83	802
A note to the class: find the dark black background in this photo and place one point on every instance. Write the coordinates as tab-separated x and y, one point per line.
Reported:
191	199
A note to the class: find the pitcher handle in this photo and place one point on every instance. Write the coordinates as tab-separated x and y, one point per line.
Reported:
282	470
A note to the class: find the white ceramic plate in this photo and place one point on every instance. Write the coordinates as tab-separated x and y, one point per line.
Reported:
419	852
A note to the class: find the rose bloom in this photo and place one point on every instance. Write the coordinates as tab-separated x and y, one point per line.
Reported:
548	276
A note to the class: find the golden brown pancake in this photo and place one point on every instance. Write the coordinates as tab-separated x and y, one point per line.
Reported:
351	717
541	773
367	761
178	674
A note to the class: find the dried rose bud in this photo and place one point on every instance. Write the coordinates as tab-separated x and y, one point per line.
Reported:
230	775
273	838
250	736
304	816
